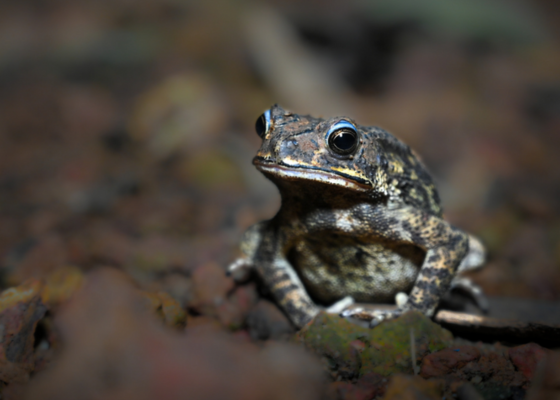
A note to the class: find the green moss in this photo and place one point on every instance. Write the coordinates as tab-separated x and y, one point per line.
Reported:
390	349
352	350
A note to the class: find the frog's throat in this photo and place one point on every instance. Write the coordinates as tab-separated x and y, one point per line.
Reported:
313	174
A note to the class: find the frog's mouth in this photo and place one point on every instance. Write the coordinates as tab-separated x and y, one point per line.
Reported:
313	174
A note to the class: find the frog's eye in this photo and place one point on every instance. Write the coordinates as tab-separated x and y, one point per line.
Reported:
342	138
263	124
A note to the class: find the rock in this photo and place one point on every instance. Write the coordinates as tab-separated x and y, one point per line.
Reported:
495	391
177	285
233	312
60	285
444	361
468	392
367	387
154	255
494	368
527	358
173	314
295	374
13	391
345	390
204	323
211	287
390	343
492	375
266	321
548	379
170	311
404	387
46	344
350	350
114	348
329	337
215	295
21	308
488	369
45	255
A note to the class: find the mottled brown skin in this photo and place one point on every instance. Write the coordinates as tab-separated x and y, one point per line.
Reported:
367	225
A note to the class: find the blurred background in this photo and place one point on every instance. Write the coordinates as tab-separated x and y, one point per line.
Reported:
127	127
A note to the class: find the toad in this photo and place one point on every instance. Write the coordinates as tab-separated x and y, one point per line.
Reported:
360	221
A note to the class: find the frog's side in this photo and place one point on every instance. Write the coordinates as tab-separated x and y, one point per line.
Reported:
360	217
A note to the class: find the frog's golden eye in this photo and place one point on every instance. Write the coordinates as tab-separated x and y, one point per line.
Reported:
263	124
342	138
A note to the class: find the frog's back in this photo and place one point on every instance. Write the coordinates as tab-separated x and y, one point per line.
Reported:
405	177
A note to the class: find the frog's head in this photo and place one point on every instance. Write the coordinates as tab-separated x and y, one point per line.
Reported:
334	151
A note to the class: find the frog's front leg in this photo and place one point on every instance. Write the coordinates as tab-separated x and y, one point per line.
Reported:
445	248
263	251
242	267
280	278
288	291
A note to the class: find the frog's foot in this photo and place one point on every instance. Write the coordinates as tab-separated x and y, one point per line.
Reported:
240	269
340	305
401	298
474	291
375	317
475	257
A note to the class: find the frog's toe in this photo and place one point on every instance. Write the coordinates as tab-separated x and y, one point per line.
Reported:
372	317
401	299
239	270
340	305
382	316
357	315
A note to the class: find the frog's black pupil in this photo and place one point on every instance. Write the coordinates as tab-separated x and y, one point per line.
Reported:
343	141
260	126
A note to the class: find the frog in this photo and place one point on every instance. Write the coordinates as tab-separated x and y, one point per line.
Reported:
360	222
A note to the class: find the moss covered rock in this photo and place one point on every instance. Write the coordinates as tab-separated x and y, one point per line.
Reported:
350	350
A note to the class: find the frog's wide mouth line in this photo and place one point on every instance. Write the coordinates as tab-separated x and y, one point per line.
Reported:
313	174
